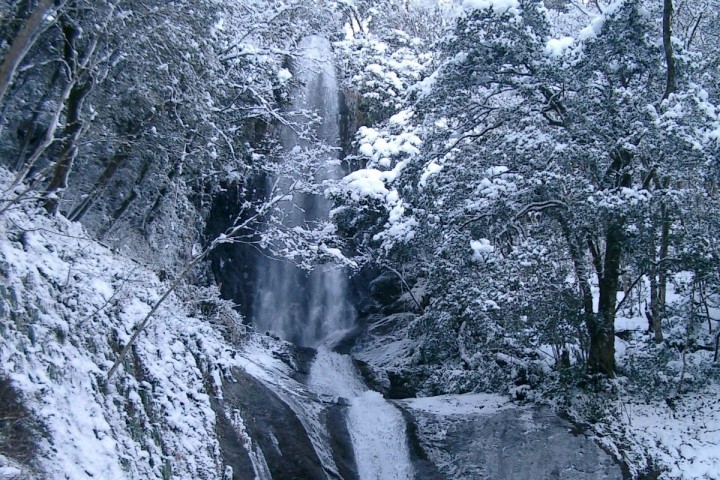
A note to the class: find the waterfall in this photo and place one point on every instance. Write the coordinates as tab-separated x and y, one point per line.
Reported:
307	308
377	428
311	308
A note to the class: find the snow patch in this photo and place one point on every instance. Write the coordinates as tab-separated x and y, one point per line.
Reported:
466	404
555	47
497	6
481	248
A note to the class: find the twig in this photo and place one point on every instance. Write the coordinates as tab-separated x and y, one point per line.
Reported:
225	238
629	290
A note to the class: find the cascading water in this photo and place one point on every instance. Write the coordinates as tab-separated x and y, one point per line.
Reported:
377	428
301	307
312	309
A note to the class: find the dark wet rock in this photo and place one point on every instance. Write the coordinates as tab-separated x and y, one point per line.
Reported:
403	383
391	324
299	359
341	443
368	306
232	445
233	264
275	428
511	443
346	344
374	378
386	288
425	469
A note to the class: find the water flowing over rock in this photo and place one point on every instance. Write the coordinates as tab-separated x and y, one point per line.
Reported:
305	308
376	426
332	424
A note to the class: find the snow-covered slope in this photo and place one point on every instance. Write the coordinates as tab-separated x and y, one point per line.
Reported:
68	305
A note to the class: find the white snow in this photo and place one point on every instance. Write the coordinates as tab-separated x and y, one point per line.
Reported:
431	169
284	75
67	304
467	404
684	438
497	6
555	47
402	117
596	24
481	248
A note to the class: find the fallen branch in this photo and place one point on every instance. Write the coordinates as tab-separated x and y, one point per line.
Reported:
227	237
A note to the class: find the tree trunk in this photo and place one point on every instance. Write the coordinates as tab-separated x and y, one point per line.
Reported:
64	164
34	133
117	160
123	207
22	43
602	328
583	279
670	83
134	133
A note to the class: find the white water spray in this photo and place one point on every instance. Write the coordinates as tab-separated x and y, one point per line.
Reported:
312	309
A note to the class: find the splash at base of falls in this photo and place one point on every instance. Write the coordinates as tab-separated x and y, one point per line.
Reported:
377	428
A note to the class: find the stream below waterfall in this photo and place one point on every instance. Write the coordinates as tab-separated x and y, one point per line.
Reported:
376	427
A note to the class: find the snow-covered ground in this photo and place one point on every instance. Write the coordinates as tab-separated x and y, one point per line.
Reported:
684	437
676	432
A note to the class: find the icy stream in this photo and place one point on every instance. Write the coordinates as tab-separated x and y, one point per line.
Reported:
376	427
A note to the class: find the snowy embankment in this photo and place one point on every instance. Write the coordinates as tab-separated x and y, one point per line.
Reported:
376	427
671	421
683	437
667	414
67	306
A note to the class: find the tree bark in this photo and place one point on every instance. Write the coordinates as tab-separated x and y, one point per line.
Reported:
123	207
24	40
602	328
671	82
65	161
583	280
73	119
115	162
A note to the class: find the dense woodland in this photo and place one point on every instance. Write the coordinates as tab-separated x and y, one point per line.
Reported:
542	178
